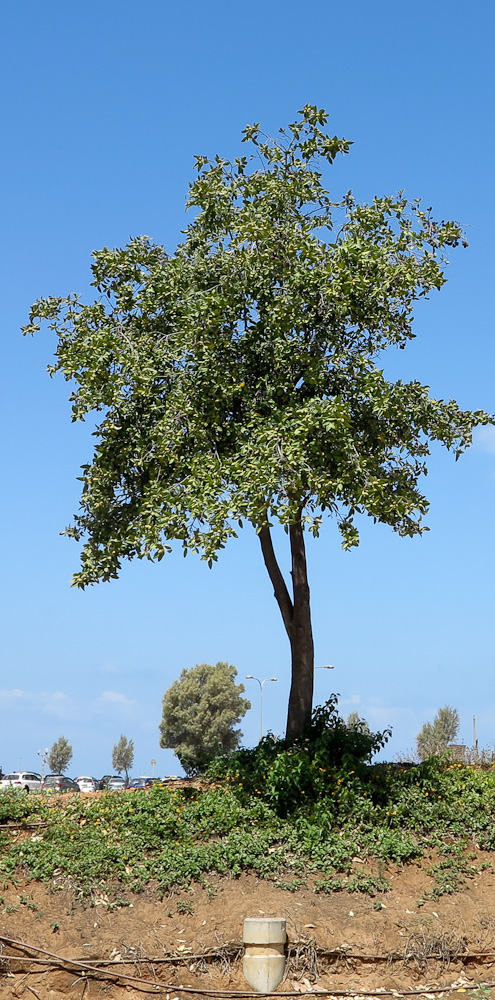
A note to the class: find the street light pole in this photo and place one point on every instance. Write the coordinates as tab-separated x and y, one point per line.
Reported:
44	755
250	677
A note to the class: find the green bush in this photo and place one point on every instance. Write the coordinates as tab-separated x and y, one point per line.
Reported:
286	774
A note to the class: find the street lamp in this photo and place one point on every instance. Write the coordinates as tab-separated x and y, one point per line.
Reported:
44	755
250	677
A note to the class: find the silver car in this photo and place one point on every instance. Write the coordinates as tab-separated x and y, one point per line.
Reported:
27	781
116	784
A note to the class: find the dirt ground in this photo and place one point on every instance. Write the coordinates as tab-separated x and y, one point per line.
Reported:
193	939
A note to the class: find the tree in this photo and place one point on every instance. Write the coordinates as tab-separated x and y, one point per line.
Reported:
239	379
200	710
60	756
354	721
435	736
123	756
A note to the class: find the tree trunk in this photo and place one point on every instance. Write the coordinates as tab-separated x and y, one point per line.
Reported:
296	615
301	639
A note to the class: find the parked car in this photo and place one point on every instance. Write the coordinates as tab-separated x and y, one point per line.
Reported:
59	783
86	784
116	784
28	781
139	783
102	782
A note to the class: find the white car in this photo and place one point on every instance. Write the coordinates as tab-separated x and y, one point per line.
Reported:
27	781
86	783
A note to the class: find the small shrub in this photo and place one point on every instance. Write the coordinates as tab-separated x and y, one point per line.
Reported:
185	906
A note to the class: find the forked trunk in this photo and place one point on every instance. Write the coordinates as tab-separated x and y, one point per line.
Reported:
296	615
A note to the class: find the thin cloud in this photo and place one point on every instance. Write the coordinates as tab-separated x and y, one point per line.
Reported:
484	438
56	703
109	668
354	699
108	701
8	696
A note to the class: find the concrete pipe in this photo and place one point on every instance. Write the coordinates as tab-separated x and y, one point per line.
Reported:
264	956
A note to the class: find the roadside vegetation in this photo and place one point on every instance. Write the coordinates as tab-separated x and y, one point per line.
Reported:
297	815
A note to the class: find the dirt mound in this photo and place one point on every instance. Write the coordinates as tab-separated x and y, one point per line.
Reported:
396	940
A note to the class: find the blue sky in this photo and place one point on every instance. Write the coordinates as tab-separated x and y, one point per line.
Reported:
103	107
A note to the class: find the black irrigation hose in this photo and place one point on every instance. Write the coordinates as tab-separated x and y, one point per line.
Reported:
233	949
178	960
77	965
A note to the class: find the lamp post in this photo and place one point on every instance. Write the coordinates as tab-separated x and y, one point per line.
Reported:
44	755
250	677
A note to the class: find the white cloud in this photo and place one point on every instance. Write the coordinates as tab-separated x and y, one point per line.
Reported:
14	695
57	708
109	668
112	697
56	703
484	438
353	699
110	702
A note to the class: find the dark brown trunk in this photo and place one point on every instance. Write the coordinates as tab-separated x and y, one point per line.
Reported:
301	643
296	616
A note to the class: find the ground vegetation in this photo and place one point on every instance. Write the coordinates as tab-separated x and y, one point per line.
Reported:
295	814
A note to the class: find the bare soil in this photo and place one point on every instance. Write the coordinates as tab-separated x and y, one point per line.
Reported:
193	939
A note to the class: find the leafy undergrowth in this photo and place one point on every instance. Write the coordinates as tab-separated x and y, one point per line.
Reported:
298	814
296	823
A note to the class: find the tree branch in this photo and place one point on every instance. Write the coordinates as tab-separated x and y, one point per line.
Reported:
279	586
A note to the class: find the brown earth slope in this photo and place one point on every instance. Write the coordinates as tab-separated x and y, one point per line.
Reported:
397	940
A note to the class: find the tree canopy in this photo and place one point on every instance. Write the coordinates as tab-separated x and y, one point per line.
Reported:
200	711
434	737
354	721
60	755
238	378
123	756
